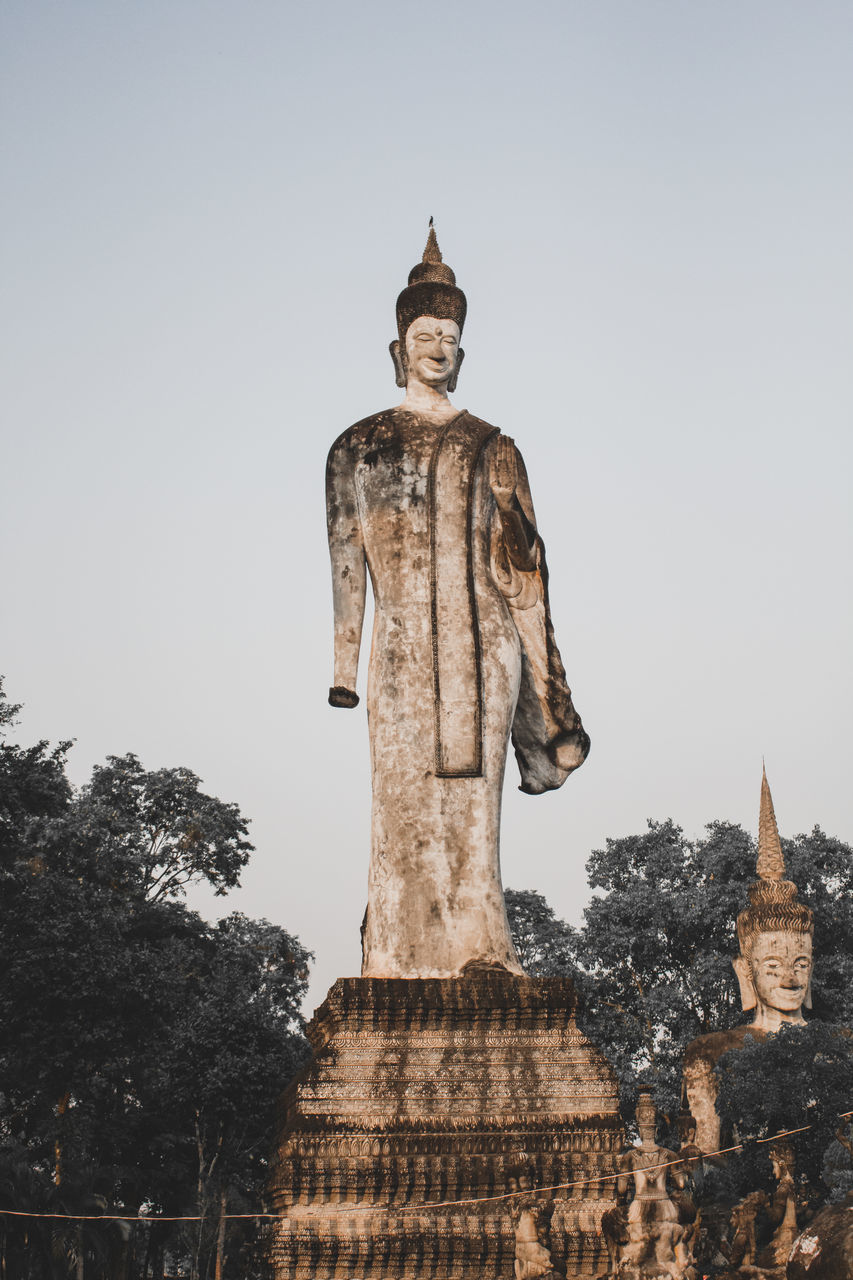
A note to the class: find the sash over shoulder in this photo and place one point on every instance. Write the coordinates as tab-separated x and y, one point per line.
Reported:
456	646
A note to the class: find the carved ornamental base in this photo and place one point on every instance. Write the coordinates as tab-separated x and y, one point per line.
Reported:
423	1099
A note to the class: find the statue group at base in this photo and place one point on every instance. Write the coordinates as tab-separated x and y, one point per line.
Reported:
774	971
662	1227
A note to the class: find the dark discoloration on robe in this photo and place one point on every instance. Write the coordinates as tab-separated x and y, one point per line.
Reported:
463	654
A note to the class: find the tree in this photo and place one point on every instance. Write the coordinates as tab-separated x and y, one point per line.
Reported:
821	866
157	830
652	964
657	942
226	1060
141	1048
801	1078
546	946
33	785
653	959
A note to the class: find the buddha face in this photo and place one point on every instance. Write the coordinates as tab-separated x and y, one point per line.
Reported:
431	350
778	970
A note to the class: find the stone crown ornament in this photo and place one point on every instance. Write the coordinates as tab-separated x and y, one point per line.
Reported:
773	905
646	1113
431	291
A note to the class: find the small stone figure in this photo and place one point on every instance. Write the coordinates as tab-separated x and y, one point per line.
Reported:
745	1261
773	969
684	1190
531	1218
782	1210
656	1248
743	1246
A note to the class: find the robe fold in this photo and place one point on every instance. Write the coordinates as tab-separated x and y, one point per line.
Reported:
463	656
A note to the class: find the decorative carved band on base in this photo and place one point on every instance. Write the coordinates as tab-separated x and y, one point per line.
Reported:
424	1092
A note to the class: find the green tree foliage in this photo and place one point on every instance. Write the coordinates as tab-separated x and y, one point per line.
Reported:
799	1078
546	946
652	964
33	785
141	1048
155	831
230	1050
652	960
657	942
821	867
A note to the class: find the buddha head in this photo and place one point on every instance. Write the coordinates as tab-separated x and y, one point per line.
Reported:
775	933
430	315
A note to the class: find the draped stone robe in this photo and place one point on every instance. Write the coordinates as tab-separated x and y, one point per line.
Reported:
463	654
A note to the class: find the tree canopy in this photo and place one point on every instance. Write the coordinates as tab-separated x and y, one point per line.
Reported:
652	964
141	1048
652	959
801	1078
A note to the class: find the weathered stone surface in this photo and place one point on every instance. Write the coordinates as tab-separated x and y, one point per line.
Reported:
660	1223
700	1058
431	1093
825	1250
434	506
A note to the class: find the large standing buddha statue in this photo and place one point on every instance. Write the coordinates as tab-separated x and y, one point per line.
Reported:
433	504
773	969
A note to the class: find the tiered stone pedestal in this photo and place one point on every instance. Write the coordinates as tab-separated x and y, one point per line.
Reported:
424	1092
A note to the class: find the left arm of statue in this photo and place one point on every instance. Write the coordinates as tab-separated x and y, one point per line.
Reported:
349	572
508	480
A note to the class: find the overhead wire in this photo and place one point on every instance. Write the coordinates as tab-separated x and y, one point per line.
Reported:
422	1207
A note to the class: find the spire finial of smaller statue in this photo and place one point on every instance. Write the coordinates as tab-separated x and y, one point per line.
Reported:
770	864
773	905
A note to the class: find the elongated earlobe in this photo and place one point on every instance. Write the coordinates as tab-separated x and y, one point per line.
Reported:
399	363
748	997
460	356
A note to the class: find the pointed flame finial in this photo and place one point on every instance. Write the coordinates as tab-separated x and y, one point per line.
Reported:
432	253
432	290
771	863
773	905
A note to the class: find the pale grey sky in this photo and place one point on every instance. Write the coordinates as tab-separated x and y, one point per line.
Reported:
209	210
